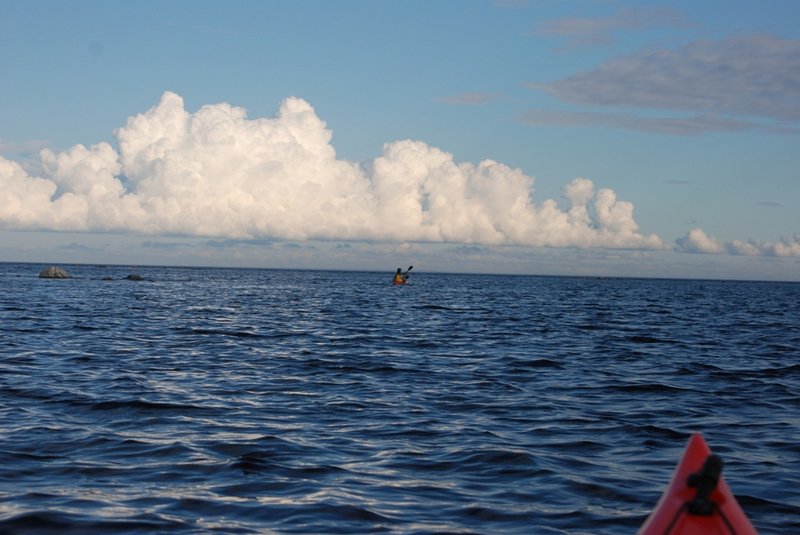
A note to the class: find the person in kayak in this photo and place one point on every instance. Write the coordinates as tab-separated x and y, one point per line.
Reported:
400	277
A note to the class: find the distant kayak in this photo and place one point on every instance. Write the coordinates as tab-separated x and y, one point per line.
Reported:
401	277
697	500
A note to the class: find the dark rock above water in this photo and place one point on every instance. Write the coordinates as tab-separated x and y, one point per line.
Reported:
54	272
134	277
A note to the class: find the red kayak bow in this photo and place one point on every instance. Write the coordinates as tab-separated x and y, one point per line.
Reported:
698	501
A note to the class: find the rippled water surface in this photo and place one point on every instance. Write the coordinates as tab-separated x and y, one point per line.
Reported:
259	401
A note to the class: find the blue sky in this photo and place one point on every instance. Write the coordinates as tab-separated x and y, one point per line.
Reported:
542	136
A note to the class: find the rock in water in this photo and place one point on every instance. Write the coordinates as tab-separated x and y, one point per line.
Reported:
54	272
134	277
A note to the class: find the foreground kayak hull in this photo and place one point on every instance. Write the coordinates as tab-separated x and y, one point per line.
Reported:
671	515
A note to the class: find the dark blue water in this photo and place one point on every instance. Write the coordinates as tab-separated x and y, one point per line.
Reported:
258	401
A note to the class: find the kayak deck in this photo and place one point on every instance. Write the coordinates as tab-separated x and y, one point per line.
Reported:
697	500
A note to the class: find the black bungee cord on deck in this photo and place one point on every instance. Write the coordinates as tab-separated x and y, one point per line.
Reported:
705	481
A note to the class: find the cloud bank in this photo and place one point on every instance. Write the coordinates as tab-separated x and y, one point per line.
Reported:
737	83
587	31
216	173
679	126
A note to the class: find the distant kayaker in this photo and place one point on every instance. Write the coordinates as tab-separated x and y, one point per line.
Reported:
401	277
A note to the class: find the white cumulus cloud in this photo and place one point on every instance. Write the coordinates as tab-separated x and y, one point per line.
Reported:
784	247
697	241
217	173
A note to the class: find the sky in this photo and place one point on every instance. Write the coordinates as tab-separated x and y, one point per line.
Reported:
543	137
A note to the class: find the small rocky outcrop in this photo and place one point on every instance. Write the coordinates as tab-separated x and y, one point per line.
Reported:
54	272
134	277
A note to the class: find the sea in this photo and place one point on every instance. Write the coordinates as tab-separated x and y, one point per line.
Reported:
207	400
